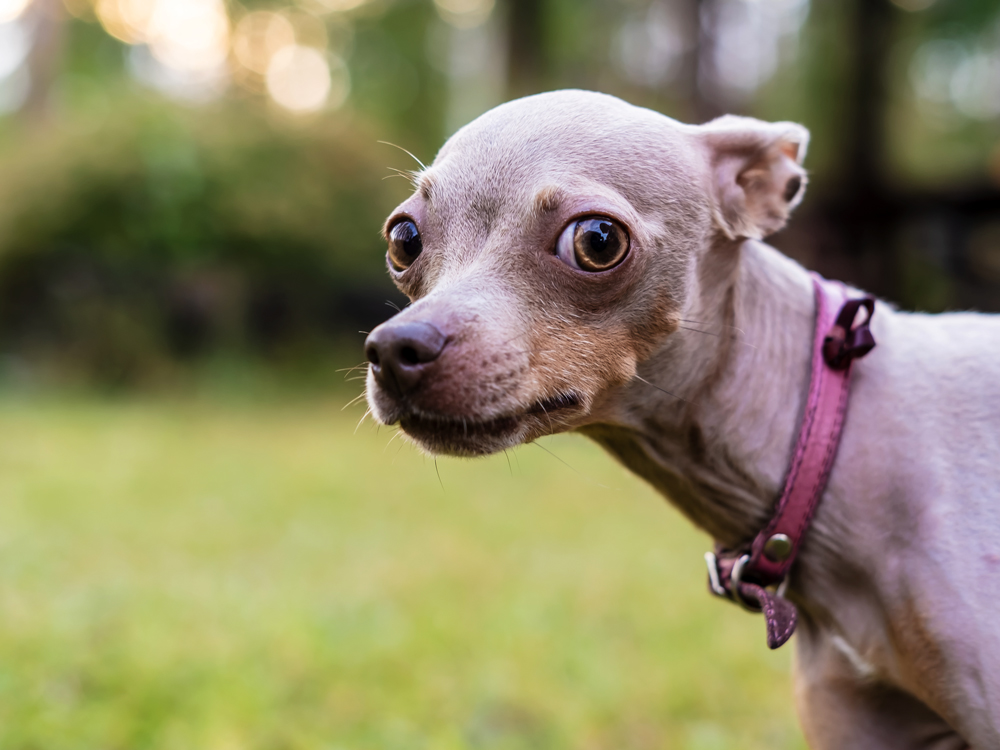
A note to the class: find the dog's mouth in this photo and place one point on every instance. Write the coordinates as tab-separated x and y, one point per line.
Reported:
473	436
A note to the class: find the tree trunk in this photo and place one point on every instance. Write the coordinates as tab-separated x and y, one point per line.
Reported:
48	18
525	47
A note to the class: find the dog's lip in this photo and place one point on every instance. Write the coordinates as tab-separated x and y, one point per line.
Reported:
555	403
499	423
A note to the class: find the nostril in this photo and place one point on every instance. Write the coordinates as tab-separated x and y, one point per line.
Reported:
409	356
399	352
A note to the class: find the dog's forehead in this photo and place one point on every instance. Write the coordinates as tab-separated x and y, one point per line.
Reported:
565	138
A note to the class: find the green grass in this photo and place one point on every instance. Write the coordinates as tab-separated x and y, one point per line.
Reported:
193	574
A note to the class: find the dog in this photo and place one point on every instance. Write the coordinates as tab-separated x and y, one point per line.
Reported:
578	263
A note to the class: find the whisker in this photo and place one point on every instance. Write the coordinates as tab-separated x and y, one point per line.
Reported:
395	435
664	390
438	472
393	305
355	367
353	401
555	456
409	176
549	418
422	165
578	473
509	467
709	333
363	418
515	338
702	322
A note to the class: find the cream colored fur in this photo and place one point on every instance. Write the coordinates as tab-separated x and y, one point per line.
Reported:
689	363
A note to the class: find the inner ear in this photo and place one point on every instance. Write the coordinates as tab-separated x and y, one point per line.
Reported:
758	174
792	188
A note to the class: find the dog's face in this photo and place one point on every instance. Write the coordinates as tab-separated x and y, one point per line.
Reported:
548	250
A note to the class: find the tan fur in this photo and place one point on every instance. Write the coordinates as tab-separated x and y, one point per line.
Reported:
548	199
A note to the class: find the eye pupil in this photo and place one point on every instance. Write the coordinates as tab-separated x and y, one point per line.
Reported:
599	244
404	244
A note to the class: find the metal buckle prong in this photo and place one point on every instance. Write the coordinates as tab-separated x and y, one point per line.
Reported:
713	576
734	584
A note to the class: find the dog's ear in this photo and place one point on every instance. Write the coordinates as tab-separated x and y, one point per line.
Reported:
757	174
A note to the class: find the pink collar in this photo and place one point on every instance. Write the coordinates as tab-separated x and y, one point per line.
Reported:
744	575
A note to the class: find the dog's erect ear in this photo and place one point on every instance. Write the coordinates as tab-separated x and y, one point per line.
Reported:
757	173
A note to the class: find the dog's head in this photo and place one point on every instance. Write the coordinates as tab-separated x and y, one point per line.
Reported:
549	249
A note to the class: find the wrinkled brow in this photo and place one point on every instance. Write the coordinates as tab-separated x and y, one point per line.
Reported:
547	200
425	185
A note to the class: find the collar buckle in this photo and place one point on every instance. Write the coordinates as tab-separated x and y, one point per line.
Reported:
732	594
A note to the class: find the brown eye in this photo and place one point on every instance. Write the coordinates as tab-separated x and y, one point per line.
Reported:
595	243
404	244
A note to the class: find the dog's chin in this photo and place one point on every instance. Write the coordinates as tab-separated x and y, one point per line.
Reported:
465	437
471	436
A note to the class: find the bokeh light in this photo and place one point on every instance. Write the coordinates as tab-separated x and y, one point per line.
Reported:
342	5
285	55
310	30
962	77
82	9
189	34
186	35
14	48
301	80
258	36
11	10
464	14
120	18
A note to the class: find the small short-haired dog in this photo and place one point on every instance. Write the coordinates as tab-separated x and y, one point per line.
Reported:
566	255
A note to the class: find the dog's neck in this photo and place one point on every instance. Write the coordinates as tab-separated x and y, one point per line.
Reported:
712	417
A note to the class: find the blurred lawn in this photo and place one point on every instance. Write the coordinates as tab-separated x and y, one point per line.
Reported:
201	574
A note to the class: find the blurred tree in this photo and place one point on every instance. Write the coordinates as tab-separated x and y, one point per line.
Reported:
44	60
173	233
526	47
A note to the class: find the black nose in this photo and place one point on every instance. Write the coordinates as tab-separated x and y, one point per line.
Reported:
400	352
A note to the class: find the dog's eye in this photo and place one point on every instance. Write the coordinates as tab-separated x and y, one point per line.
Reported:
404	244
595	243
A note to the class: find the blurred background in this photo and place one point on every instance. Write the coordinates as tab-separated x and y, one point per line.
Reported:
200	546
200	180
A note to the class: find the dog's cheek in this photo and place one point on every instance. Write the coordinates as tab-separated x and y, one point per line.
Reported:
649	332
588	361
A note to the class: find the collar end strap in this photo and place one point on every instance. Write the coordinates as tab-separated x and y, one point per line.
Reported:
745	576
725	581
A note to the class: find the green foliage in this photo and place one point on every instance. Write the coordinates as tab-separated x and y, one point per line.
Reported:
165	231
190	574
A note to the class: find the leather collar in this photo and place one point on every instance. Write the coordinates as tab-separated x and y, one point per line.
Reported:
756	574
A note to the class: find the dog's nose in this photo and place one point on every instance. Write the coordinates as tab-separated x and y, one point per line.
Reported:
399	353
